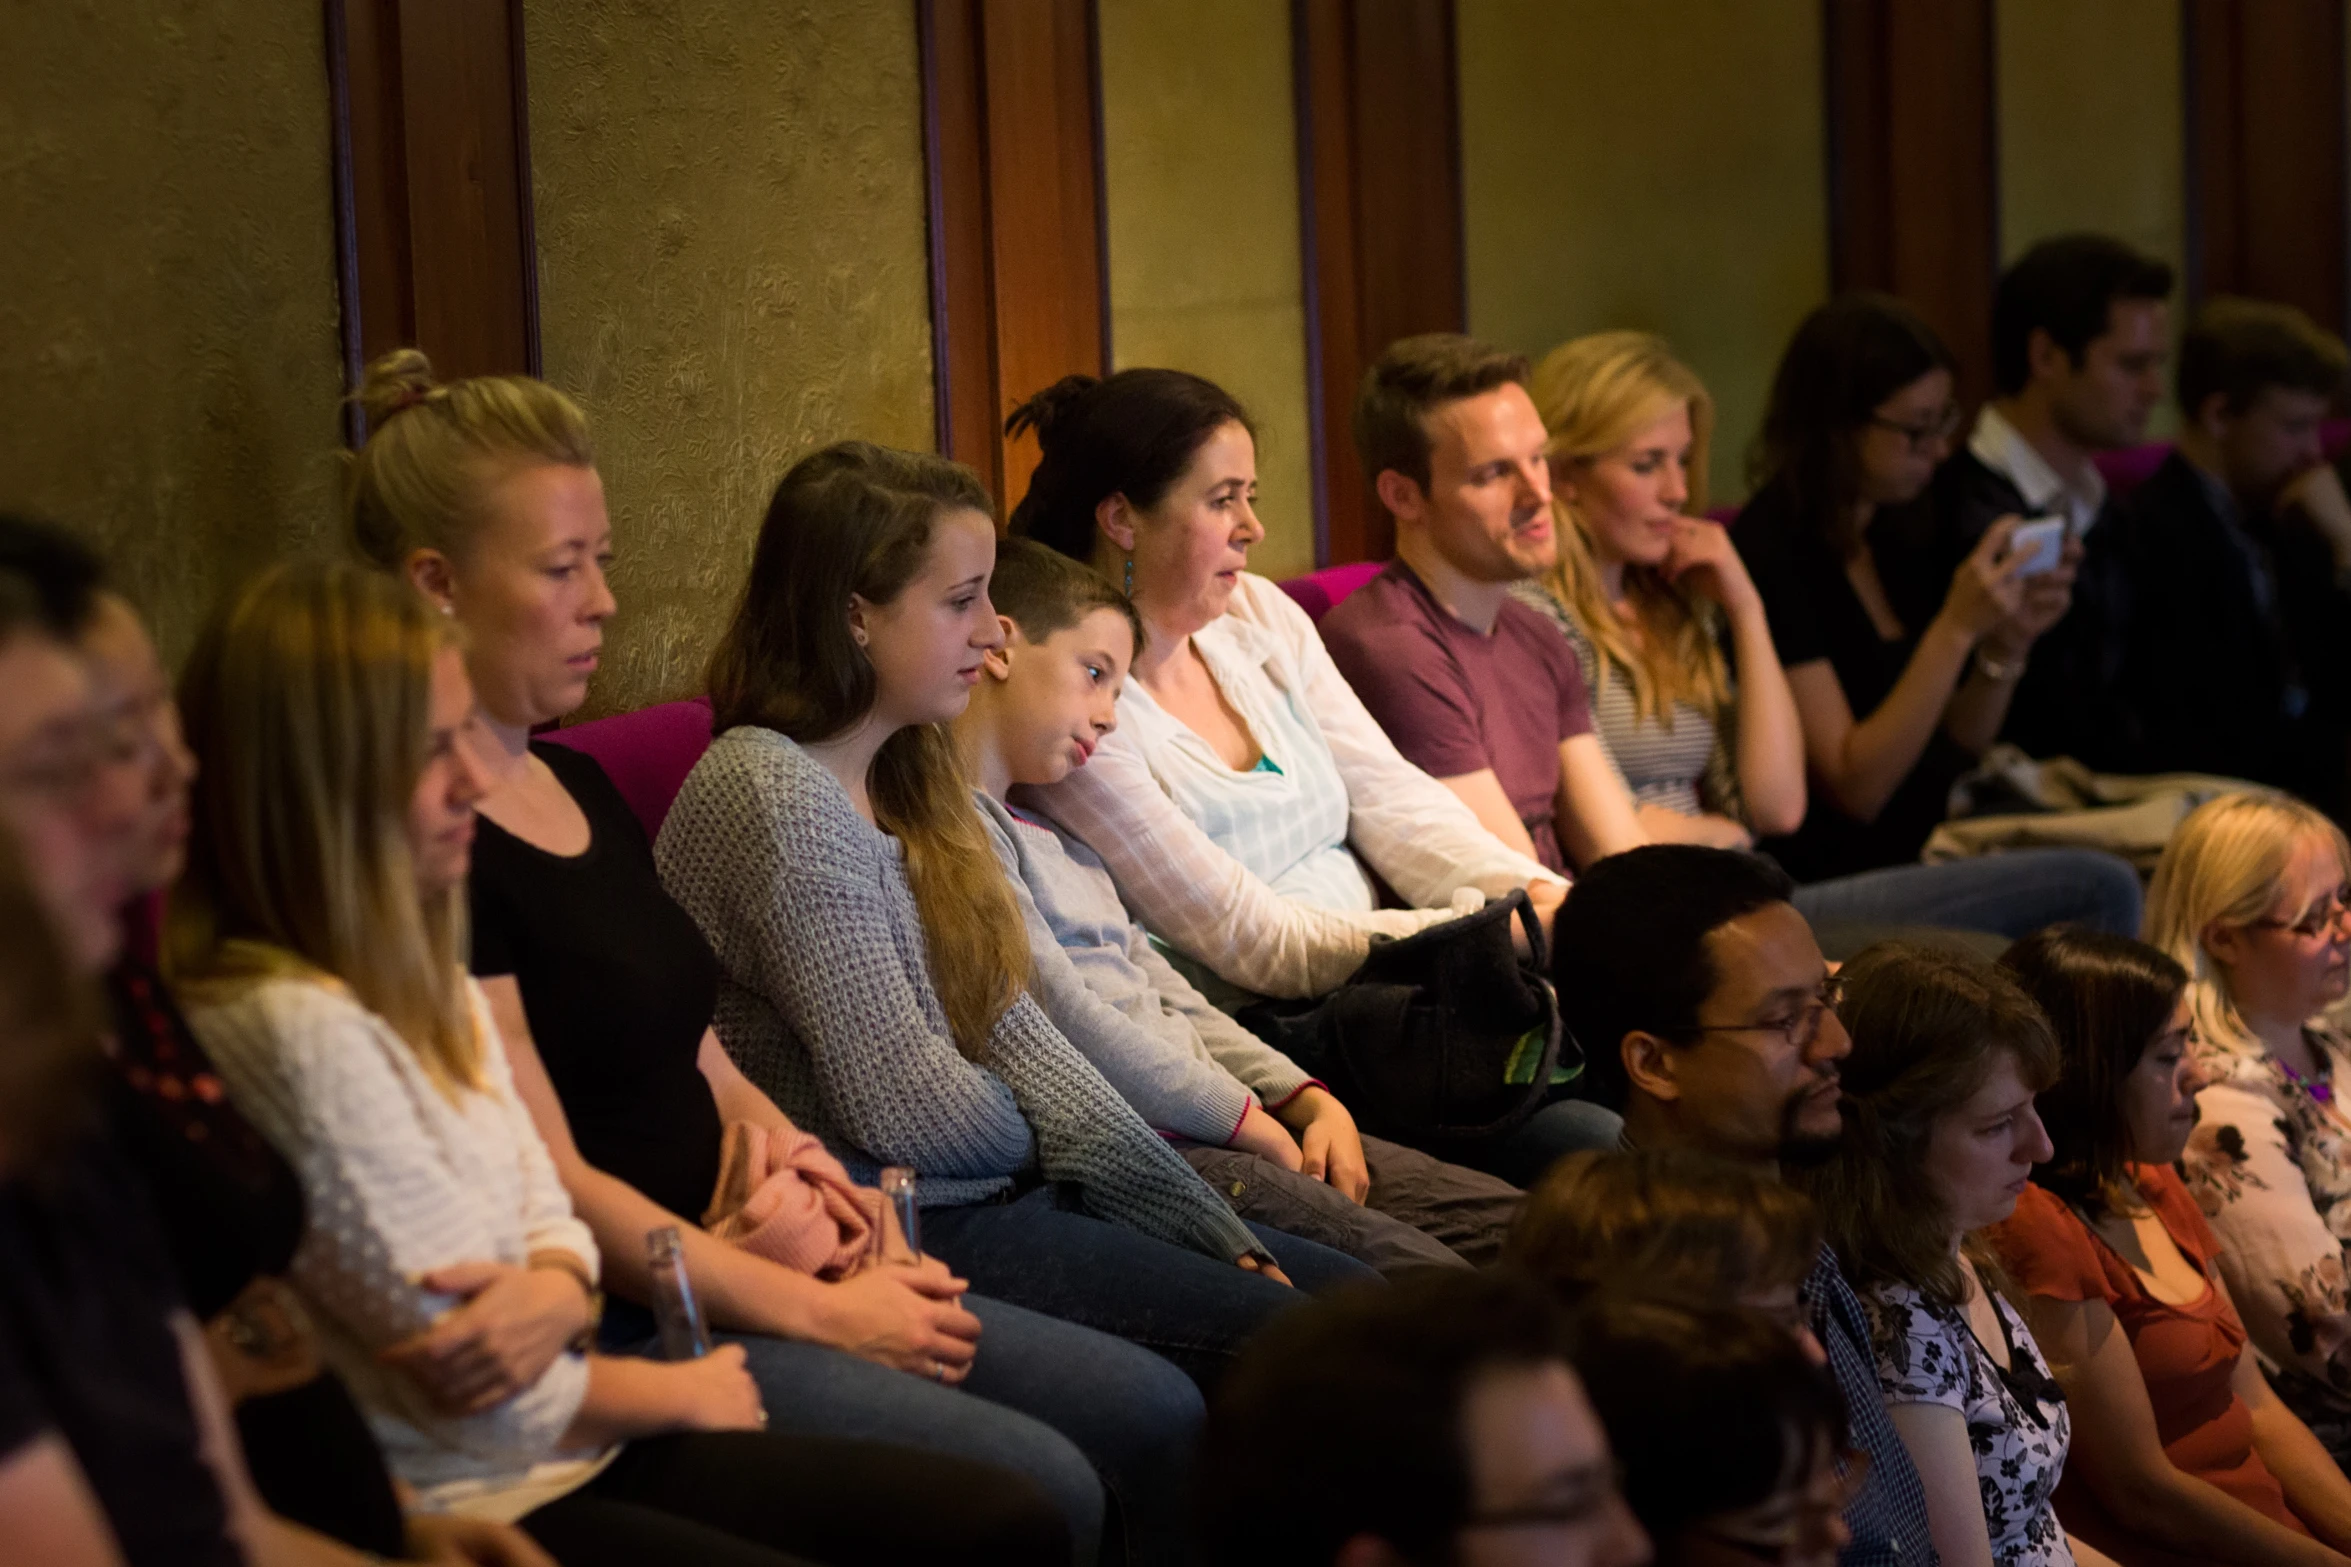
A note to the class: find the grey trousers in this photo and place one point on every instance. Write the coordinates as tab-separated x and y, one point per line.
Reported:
1420	1213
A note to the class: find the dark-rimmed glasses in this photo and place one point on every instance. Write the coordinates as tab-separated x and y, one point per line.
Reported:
1923	437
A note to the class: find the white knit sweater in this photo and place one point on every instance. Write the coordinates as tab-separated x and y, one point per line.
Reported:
401	1179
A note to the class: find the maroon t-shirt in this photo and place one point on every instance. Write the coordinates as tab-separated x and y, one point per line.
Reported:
1456	700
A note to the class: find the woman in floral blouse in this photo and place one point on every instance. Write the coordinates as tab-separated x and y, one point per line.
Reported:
1941	1139
2251	899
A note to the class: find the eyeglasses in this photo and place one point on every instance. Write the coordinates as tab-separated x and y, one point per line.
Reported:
1799	1028
2315	922
1923	437
1810	1531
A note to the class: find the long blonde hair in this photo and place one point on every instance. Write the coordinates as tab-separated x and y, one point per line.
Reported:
1595	394
855	519
307	701
434	447
2222	867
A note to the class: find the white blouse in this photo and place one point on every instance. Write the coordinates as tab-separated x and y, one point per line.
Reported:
1256	876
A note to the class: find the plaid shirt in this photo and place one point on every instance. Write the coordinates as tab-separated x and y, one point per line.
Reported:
1889	1517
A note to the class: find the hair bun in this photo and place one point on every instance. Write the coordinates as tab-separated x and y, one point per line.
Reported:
395	381
1049	410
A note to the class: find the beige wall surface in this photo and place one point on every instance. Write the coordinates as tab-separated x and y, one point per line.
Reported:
1200	167
733	271
169	366
1627	165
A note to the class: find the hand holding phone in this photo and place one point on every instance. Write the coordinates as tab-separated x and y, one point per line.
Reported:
2040	542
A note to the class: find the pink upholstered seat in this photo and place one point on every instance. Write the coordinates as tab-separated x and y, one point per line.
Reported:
1320	592
648	752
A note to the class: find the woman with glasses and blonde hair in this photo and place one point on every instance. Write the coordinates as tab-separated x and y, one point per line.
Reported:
1689	697
2250	898
317	935
1901	677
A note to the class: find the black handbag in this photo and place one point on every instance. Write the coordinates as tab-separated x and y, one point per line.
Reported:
1446	1036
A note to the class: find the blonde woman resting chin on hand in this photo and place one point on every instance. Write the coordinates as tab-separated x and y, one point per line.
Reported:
317	934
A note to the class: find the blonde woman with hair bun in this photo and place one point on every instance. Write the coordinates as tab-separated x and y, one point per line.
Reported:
2253	899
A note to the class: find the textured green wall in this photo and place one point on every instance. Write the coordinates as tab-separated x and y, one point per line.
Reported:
1628	164
168	359
1200	166
732	263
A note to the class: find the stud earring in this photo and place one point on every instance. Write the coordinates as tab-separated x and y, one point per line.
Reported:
1130	576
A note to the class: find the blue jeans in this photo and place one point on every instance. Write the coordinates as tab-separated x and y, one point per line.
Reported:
1039	1251
1074	1410
2009	895
1562	1127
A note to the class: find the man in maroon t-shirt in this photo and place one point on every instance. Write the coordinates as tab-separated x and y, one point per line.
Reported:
1475	688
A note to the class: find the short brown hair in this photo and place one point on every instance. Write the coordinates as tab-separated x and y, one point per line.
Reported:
1668	1222
1412	378
2240	347
1045	592
1927	1024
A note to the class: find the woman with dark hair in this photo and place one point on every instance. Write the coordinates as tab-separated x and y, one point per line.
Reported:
1940	1139
873	961
1900	681
2181	1451
1732	1439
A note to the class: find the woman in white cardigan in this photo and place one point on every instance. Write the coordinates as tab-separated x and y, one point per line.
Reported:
317	934
1247	805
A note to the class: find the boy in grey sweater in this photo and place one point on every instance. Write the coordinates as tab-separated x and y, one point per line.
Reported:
1272	1139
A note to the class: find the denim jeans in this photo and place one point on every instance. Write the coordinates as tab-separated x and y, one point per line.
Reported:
1421	1212
1039	1251
1074	1410
2008	895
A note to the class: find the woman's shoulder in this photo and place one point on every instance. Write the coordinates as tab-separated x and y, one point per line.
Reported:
2176	1208
1921	1347
1263	619
2047	1249
753	771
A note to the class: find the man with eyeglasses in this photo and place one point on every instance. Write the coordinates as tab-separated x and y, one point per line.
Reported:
1707	1016
1443	1423
2080	333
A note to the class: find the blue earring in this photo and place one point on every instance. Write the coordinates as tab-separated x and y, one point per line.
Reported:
1130	576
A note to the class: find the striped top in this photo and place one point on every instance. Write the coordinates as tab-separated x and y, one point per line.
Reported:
1682	765
1255	877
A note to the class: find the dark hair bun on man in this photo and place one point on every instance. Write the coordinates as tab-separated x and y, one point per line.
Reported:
1132	434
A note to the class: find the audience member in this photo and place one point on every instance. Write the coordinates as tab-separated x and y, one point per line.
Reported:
2180	1450
1250	1120
1707	1013
316	930
483	493
1675	1224
1471	685
1248	806
1733	1439
2080	330
1449	1426
2229	666
874	965
2250	898
1901	673
1648	592
1941	1137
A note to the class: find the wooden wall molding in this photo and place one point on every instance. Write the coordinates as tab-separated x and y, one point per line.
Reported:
1379	184
1914	205
433	228
2266	161
1019	286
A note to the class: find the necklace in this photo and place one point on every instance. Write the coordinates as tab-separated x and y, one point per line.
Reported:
2321	1091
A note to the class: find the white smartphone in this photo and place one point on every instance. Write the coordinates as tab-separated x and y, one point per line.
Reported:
2041	541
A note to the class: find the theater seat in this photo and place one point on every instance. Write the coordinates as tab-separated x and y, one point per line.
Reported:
648	752
2132	466
1320	592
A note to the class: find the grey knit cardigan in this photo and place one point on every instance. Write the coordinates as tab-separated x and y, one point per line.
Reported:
825	1001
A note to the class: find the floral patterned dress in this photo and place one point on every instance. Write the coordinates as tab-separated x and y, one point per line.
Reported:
2270	1166
2017	1421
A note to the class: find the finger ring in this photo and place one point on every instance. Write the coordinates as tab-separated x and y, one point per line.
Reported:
763	1417
938	1371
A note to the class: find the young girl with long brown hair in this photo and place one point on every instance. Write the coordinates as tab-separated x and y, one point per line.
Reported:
874	961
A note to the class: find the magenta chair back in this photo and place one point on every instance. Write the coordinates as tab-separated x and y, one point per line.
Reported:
647	753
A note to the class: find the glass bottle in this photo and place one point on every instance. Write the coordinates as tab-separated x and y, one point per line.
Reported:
684	1333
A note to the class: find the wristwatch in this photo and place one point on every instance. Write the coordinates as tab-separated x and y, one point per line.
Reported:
1999	669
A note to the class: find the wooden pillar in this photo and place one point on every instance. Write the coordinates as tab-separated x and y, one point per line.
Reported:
1379	155
1913	168
2266	166
1019	291
433	222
